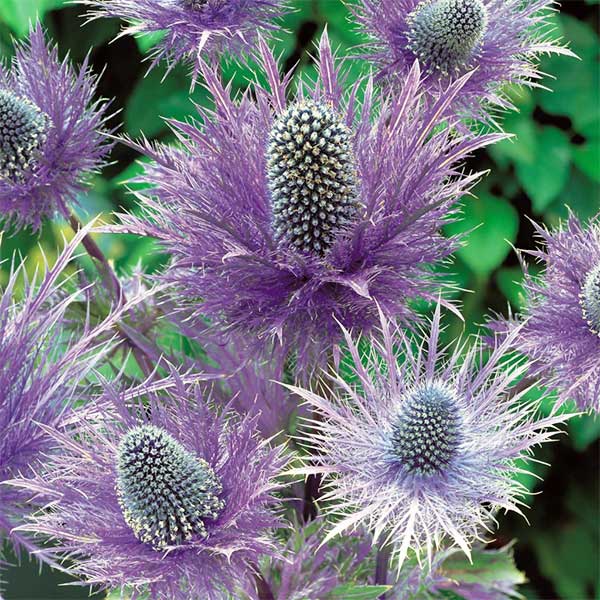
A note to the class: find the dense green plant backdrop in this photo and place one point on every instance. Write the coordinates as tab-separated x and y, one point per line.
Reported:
553	163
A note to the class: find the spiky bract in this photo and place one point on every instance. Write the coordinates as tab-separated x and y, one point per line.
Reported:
210	206
192	29
559	332
52	135
501	41
85	487
479	428
43	372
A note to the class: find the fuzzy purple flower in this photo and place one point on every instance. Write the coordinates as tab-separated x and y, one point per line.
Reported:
50	132
43	373
283	218
561	319
193	28
159	494
424	448
500	40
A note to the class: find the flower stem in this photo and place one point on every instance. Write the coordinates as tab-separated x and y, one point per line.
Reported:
382	566
312	486
106	271
98	256
263	588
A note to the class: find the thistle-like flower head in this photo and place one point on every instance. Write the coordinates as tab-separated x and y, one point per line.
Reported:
51	134
192	29
165	492
422	449
500	40
560	325
44	371
160	494
282	217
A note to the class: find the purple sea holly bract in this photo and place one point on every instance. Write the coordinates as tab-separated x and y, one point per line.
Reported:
51	132
284	217
193	29
559	328
160	494
500	41
424	448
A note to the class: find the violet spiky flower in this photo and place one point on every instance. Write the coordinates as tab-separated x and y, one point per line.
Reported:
561	318
423	449
44	371
499	40
193	29
159	494
284	217
51	132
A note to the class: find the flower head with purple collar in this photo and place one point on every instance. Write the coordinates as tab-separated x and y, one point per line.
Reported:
422	450
283	217
51	132
499	40
193	29
45	370
160	494
560	324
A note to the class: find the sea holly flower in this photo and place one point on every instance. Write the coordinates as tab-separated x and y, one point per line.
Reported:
561	318
423	449
284	217
499	40
192	29
159	493
44	371
51	132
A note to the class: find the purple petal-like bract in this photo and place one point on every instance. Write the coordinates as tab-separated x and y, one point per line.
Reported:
424	448
43	373
516	34
561	342
191	32
74	144
88	524
211	208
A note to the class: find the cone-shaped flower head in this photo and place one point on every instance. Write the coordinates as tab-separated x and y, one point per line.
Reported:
561	318
444	34
500	40
50	132
311	176
43	372
285	216
192	29
165	492
160	494
422	449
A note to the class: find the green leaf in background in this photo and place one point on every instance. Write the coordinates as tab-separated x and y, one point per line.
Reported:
583	431
358	592
510	282
490	567
492	224
545	173
18	14
587	159
155	99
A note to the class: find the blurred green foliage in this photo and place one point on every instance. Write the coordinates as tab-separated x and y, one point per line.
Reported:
553	162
